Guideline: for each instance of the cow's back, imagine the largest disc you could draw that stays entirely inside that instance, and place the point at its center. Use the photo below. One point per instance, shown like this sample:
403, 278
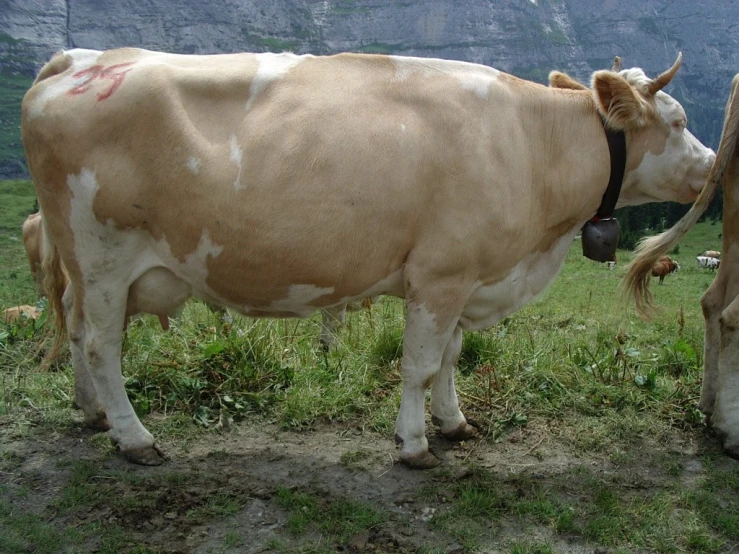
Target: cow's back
250, 163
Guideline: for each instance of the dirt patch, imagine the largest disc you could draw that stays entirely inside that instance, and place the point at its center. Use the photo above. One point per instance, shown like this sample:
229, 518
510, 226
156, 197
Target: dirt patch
237, 491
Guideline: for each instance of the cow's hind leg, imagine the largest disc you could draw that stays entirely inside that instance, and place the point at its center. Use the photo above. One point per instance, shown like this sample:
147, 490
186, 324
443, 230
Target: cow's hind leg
85, 395
444, 403
104, 312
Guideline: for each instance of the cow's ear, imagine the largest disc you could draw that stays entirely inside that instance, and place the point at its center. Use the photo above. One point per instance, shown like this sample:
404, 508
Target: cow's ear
617, 101
557, 79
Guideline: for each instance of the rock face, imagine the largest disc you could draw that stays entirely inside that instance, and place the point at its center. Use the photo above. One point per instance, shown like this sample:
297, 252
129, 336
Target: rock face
525, 37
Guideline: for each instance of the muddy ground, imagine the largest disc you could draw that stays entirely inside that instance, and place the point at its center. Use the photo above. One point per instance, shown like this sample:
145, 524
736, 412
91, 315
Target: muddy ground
155, 509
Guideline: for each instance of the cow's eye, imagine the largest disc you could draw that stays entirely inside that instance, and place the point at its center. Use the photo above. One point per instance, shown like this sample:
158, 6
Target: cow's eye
679, 124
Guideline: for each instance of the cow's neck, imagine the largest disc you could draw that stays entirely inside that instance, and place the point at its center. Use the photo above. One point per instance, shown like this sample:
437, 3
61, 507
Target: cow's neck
617, 149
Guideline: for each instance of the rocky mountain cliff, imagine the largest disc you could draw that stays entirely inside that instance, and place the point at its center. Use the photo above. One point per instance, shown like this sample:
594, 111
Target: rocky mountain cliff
525, 37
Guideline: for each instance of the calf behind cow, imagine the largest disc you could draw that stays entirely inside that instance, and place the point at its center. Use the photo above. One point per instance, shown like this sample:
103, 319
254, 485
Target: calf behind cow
309, 182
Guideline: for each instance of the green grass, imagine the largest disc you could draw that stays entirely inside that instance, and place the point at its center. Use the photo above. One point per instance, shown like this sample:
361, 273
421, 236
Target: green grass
340, 519
17, 201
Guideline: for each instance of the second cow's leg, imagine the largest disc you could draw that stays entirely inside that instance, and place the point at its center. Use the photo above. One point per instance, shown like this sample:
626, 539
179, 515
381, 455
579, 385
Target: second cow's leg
712, 303
725, 417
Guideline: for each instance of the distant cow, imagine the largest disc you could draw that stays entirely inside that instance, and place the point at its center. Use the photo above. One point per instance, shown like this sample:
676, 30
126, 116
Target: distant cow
664, 266
712, 254
19, 313
277, 185
706, 262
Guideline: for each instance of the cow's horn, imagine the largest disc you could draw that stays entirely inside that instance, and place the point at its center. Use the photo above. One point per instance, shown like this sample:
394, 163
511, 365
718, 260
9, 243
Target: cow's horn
661, 82
616, 64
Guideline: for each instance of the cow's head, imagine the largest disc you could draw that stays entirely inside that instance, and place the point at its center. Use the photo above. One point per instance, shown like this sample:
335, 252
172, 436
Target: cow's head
665, 162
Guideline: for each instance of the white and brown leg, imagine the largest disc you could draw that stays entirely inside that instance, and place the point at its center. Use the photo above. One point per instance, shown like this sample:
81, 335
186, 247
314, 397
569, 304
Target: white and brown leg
444, 403
331, 320
103, 312
725, 417
85, 396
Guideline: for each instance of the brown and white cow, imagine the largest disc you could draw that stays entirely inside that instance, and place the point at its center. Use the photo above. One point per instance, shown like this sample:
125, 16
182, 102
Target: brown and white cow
663, 267
720, 390
277, 184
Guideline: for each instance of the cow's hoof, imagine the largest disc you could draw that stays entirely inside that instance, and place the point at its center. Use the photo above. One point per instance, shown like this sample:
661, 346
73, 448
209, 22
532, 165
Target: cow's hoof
462, 433
424, 460
151, 456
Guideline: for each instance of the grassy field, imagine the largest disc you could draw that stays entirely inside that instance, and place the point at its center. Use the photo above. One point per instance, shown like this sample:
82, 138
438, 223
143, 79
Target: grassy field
590, 435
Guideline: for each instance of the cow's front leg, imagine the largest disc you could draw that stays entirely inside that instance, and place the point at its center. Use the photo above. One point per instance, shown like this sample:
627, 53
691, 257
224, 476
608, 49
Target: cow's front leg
712, 303
444, 403
424, 341
726, 410
103, 312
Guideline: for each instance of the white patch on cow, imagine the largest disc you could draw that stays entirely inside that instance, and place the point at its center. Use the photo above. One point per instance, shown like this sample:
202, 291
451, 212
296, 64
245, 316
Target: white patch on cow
194, 268
488, 304
53, 88
193, 164
237, 155
479, 84
299, 299
678, 173
271, 67
662, 172
473, 77
97, 246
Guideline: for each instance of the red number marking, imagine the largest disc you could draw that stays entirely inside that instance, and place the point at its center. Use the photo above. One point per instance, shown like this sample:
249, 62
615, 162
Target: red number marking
115, 73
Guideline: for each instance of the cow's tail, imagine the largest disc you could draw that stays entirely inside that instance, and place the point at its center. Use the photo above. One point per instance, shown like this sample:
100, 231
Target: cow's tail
55, 283
649, 250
